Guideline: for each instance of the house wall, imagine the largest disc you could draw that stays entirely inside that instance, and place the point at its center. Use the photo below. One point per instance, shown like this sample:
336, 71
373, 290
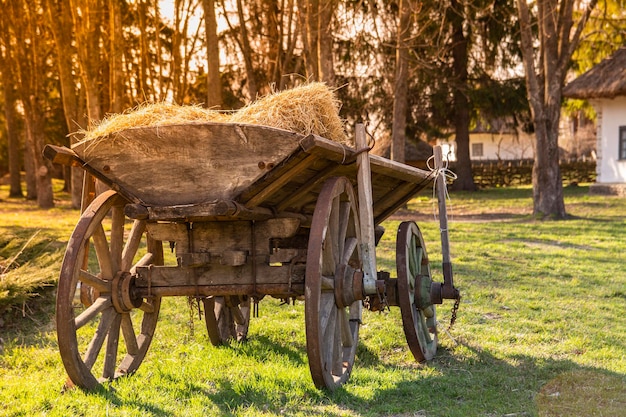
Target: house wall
611, 115
495, 146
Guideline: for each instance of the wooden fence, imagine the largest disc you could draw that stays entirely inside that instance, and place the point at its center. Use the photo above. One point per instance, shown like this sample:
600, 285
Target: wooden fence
508, 173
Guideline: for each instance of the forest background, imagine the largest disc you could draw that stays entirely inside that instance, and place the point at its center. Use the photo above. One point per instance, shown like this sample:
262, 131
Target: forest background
412, 70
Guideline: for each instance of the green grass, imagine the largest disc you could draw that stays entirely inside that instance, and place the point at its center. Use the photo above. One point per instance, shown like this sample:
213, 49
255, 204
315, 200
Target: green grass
32, 242
541, 330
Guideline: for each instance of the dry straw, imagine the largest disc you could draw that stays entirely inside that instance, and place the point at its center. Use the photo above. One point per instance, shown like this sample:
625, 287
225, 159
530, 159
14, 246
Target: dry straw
308, 109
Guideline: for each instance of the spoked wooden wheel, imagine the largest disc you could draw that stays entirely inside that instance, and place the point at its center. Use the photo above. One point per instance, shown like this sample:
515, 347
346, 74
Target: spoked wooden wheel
332, 299
414, 280
104, 329
227, 318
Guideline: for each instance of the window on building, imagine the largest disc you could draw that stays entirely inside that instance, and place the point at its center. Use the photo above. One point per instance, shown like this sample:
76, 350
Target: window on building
477, 149
622, 142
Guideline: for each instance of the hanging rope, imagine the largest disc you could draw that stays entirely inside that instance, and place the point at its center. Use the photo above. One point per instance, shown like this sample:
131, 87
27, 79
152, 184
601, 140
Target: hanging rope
448, 175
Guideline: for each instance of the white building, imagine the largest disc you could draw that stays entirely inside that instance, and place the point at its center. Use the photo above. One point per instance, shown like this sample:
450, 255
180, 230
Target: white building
605, 87
500, 142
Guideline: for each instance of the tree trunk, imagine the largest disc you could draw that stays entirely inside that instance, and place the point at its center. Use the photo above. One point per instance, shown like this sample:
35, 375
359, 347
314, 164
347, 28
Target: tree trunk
400, 98
87, 25
10, 115
116, 57
10, 118
559, 36
326, 68
36, 136
465, 179
246, 50
59, 19
310, 33
31, 69
547, 182
214, 83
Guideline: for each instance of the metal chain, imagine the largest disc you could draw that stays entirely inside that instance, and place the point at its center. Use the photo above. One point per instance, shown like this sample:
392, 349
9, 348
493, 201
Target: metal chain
455, 308
194, 304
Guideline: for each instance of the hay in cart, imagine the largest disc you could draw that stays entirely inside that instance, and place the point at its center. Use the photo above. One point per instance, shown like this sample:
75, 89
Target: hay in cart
309, 109
165, 154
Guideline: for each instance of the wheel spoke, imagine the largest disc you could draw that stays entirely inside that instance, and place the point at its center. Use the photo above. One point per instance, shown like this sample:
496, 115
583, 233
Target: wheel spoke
330, 245
147, 259
344, 222
117, 236
113, 339
327, 304
330, 339
129, 335
348, 251
98, 339
93, 281
102, 253
101, 304
132, 244
337, 348
237, 316
346, 332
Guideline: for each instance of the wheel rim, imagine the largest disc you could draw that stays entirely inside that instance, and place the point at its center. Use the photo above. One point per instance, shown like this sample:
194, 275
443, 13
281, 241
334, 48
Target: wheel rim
107, 333
419, 318
332, 323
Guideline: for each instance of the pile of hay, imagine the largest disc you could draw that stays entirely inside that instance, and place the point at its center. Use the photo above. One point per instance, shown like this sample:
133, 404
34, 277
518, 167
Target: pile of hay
308, 109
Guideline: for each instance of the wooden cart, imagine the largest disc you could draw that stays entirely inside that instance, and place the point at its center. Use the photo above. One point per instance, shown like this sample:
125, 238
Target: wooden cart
249, 211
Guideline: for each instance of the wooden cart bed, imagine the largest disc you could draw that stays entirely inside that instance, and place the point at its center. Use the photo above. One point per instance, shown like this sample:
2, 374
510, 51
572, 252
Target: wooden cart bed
223, 168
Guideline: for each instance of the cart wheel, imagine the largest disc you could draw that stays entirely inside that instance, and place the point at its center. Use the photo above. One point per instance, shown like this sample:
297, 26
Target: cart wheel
96, 303
332, 311
227, 318
419, 317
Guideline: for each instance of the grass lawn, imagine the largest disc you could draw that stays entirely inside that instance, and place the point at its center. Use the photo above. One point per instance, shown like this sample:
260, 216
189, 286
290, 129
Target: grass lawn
541, 329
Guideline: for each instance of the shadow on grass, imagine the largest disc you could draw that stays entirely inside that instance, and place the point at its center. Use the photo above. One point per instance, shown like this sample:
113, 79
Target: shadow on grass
263, 349
471, 383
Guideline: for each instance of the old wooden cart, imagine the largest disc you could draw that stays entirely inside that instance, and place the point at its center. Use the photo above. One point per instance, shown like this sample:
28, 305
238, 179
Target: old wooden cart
249, 211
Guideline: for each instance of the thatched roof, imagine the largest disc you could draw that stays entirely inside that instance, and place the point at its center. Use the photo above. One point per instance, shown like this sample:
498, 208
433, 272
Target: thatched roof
605, 80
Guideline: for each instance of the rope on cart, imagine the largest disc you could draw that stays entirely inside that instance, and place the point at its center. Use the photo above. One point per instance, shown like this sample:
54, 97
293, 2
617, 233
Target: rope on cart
447, 174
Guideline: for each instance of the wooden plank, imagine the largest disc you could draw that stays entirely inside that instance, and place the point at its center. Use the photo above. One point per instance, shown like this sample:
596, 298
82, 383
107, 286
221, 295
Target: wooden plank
366, 213
327, 149
312, 183
292, 160
218, 275
280, 182
61, 155
443, 217
387, 167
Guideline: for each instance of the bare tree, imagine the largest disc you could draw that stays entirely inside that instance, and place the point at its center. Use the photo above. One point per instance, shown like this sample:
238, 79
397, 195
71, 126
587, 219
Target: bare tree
400, 99
59, 20
456, 16
558, 25
10, 114
325, 43
214, 84
87, 17
116, 57
28, 30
